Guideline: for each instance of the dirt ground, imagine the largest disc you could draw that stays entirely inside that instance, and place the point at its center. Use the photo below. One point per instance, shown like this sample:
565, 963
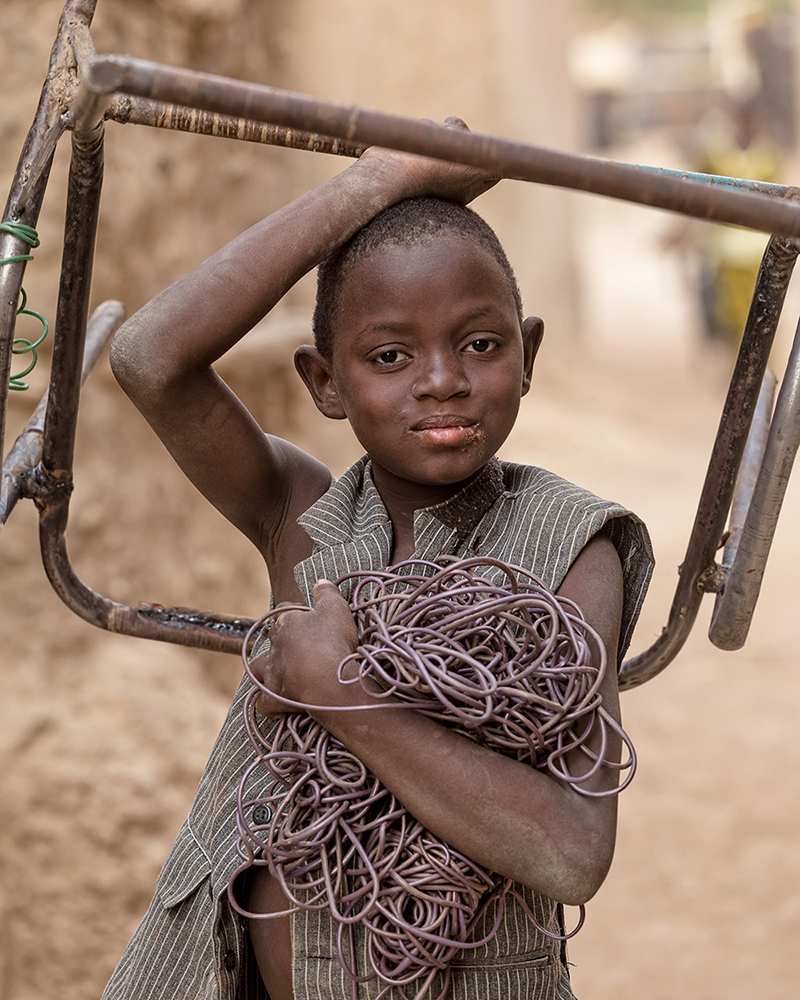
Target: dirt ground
703, 899
102, 738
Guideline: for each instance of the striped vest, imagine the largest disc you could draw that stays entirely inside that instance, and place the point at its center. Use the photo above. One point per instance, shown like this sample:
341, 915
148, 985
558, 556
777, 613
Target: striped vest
192, 944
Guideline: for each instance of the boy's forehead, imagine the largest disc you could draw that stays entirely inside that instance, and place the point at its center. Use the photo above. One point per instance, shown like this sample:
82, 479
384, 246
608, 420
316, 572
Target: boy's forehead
448, 262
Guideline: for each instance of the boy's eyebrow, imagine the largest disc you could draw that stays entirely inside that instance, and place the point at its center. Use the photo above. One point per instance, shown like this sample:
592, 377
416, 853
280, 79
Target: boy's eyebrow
479, 312
379, 325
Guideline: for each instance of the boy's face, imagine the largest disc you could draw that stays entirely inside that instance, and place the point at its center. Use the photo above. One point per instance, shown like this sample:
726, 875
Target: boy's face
429, 361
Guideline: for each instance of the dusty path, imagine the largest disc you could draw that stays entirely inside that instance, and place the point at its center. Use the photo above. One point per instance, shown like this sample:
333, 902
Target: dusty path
703, 899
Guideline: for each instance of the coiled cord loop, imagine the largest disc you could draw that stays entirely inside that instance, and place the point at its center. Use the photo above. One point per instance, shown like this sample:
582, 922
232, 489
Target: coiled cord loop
22, 345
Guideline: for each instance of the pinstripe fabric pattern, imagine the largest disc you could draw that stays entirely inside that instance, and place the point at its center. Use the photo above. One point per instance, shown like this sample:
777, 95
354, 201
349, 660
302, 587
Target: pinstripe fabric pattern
191, 945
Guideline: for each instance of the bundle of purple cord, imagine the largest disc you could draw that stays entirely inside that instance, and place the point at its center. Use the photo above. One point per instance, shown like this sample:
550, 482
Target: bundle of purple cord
509, 665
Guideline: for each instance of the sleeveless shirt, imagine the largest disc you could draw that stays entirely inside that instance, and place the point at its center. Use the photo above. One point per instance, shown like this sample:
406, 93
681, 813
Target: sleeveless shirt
191, 943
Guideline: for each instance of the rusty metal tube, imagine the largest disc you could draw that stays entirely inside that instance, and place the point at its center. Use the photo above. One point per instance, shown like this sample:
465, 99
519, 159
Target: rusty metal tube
127, 110
52, 484
748, 471
503, 157
10, 284
49, 121
184, 626
720, 180
87, 111
698, 570
26, 453
734, 613
38, 165
11, 275
29, 183
80, 229
83, 202
82, 44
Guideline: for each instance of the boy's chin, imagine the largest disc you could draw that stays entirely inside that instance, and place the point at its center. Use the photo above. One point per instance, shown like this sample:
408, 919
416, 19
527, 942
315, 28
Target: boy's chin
452, 478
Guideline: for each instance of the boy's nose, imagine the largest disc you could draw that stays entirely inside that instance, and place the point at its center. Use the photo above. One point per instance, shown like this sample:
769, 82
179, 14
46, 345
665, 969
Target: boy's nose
441, 378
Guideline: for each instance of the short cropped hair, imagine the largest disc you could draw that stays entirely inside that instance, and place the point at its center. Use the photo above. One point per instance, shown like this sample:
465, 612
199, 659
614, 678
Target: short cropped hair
408, 223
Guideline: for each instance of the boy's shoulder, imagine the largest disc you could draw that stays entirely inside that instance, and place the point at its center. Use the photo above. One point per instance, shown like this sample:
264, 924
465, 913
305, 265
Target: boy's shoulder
567, 514
543, 521
530, 480
535, 491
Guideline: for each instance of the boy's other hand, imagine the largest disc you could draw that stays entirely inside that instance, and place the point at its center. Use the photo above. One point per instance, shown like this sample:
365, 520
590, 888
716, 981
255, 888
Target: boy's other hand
423, 176
306, 647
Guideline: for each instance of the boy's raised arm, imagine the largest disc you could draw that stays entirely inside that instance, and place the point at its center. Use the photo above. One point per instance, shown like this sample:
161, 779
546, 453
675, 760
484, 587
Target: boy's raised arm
162, 356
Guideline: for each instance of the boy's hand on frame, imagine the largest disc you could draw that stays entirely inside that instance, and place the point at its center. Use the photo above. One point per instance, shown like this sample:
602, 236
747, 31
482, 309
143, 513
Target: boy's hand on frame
423, 176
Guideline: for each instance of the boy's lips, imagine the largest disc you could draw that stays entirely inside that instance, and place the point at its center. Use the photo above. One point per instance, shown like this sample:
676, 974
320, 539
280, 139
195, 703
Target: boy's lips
446, 429
442, 420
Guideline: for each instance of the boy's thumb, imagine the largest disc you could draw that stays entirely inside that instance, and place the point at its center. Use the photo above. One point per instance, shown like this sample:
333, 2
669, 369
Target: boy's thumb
326, 593
328, 599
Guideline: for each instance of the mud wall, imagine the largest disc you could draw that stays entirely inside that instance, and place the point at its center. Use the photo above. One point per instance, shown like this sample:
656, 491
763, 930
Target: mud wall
102, 738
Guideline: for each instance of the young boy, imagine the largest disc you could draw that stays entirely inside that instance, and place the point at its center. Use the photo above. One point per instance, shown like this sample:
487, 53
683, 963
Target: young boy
421, 345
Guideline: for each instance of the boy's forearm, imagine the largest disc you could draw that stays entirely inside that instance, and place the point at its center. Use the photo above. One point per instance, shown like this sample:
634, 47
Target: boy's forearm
503, 814
196, 320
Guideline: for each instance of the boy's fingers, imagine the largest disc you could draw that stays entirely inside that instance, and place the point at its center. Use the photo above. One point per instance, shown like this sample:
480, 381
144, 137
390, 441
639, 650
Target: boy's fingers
453, 121
257, 665
265, 703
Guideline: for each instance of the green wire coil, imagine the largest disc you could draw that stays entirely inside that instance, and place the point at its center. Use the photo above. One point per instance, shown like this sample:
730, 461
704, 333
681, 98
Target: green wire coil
21, 345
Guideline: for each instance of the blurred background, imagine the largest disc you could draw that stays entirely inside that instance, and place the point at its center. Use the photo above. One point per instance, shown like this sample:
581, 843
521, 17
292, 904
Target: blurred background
102, 737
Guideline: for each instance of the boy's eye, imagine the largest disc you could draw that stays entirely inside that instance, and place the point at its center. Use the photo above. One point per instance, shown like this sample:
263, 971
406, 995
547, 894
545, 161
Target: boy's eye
482, 345
390, 357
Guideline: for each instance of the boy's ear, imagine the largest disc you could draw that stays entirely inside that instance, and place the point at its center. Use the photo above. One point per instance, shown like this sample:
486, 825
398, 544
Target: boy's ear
315, 371
532, 334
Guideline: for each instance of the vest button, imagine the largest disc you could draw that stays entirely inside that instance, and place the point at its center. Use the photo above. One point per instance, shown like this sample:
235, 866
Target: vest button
262, 814
230, 960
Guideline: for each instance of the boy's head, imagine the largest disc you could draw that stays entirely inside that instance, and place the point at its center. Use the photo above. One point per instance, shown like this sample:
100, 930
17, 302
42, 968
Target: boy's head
421, 344
408, 223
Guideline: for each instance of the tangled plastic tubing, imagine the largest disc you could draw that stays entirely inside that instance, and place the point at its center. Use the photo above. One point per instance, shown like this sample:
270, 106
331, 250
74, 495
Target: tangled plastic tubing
508, 666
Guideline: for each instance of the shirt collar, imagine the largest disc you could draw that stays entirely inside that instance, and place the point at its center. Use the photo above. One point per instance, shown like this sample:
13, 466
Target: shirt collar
464, 509
353, 507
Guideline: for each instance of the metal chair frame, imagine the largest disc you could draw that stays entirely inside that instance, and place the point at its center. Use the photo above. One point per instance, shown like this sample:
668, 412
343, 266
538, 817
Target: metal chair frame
82, 91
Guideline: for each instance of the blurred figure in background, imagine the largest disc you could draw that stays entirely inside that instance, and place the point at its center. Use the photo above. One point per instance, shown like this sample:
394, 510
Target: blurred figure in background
729, 256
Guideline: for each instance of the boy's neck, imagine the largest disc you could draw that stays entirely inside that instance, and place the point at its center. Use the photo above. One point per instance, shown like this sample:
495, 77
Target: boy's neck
403, 499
